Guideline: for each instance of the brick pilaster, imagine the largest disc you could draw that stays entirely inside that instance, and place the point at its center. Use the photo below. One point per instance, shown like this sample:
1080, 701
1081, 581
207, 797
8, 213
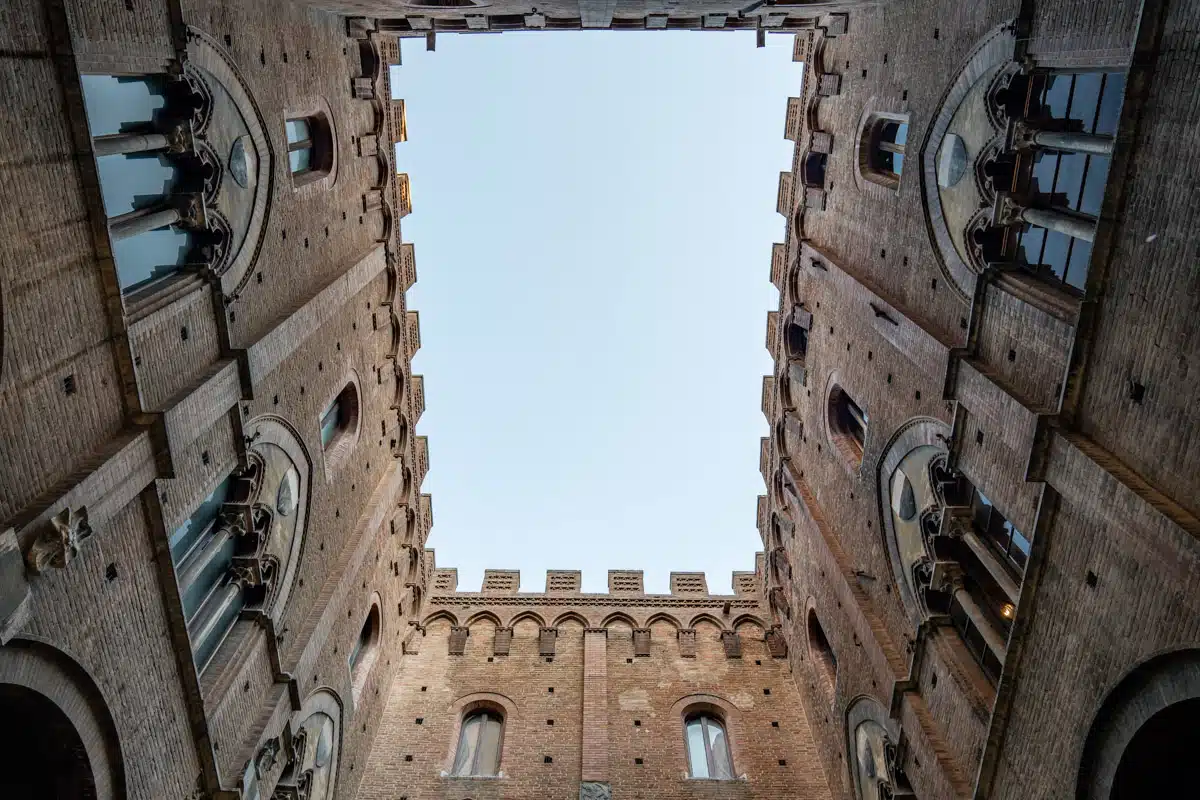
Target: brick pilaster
595, 705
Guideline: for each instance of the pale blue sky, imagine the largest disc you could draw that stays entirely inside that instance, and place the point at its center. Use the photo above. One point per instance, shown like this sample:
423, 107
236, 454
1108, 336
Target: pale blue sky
593, 219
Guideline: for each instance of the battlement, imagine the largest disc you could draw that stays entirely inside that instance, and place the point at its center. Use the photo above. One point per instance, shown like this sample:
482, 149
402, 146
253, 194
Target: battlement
622, 583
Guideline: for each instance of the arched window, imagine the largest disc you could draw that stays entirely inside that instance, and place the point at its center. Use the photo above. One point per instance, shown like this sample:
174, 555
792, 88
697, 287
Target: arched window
847, 425
799, 323
365, 650
821, 652
310, 148
479, 742
339, 422
814, 170
956, 552
707, 747
881, 151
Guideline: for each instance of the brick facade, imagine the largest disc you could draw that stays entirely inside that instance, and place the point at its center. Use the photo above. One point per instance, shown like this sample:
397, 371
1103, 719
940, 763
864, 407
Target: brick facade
121, 409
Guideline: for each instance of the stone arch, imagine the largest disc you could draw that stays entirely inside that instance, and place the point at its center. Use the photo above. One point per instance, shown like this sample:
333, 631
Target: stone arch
272, 434
1130, 723
363, 657
347, 392
468, 704
914, 433
210, 60
845, 432
821, 654
721, 708
993, 51
309, 724
871, 739
35, 676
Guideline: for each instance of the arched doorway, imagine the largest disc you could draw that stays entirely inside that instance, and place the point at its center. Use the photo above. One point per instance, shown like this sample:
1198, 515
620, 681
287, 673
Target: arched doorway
42, 757
1150, 765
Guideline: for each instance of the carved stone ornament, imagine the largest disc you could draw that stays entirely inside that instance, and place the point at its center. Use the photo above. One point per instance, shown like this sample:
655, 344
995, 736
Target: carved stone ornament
595, 790
265, 761
59, 543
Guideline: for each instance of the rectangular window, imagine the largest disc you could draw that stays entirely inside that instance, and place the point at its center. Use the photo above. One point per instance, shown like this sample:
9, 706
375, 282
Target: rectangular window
330, 422
300, 145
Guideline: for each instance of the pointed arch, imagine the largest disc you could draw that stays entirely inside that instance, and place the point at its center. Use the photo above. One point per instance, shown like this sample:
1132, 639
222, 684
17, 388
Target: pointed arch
663, 617
480, 616
705, 617
571, 616
533, 616
749, 619
619, 616
437, 615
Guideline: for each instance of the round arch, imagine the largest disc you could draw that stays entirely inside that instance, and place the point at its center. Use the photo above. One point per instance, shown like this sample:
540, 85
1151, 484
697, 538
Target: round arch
287, 482
71, 714
1139, 730
914, 433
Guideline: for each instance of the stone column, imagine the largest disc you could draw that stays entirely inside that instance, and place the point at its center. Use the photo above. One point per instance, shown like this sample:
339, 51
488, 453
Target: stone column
1075, 226
1025, 136
135, 222
125, 143
594, 779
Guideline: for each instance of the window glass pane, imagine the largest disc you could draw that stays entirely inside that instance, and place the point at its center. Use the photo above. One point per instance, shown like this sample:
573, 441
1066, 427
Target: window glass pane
1071, 167
468, 742
1058, 95
149, 256
901, 133
214, 620
1044, 167
1055, 254
1093, 186
1085, 99
897, 163
1110, 103
203, 569
114, 104
187, 533
132, 182
1031, 245
697, 759
297, 130
1077, 265
299, 159
488, 762
329, 422
719, 748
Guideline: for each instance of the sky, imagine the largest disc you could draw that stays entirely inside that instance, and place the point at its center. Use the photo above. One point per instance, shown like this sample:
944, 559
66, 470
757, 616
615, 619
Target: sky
593, 214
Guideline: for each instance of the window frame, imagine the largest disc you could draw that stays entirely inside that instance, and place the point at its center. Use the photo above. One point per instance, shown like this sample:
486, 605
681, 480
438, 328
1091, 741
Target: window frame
320, 144
487, 713
705, 716
871, 145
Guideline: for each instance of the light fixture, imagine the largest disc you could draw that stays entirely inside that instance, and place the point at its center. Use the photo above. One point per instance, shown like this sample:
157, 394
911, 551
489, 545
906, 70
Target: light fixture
1008, 611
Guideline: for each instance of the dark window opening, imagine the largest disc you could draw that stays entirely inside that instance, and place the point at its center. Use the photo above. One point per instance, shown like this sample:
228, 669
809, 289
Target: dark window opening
825, 662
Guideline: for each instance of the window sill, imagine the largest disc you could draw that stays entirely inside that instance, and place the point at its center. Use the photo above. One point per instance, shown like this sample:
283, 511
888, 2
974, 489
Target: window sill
738, 779
499, 777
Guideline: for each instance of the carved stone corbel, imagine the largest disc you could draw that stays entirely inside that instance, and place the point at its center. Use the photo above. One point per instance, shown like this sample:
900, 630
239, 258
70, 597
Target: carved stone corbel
58, 544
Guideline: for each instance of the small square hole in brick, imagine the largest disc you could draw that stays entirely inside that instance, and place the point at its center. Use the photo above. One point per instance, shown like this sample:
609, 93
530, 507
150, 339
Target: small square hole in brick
423, 688
551, 690
757, 662
1137, 392
490, 659
637, 723
783, 762
549, 659
408, 758
775, 724
766, 691
205, 458
110, 572
549, 722
275, 399
864, 73
905, 95
420, 721
547, 759
1092, 579
183, 333
638, 761
68, 384
1012, 355
629, 661
978, 437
